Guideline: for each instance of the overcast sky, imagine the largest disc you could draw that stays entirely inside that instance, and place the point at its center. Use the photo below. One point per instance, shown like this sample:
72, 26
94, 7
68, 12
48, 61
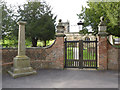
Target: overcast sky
66, 10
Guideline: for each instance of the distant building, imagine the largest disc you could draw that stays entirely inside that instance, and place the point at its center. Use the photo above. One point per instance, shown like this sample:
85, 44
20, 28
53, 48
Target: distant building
67, 27
75, 35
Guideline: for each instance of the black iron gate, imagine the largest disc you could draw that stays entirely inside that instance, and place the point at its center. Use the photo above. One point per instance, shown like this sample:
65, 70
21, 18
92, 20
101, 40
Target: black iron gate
81, 54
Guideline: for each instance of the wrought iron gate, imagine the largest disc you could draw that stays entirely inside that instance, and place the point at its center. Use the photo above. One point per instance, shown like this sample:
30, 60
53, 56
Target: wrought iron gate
81, 54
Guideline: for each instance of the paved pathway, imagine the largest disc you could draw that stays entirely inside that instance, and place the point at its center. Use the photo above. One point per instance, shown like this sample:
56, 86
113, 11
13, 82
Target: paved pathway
64, 79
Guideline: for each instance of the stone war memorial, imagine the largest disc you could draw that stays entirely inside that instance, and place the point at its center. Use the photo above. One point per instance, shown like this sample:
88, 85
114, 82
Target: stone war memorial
25, 61
21, 63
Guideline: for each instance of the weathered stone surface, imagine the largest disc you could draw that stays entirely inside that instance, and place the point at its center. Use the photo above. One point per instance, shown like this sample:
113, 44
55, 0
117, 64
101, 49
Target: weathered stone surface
21, 63
21, 38
102, 27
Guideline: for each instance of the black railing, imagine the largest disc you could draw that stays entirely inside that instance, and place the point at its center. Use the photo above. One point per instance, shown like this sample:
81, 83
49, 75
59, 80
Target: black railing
81, 54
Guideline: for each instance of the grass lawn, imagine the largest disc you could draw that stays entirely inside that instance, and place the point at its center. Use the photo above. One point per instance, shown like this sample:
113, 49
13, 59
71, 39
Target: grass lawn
9, 43
86, 54
41, 43
14, 43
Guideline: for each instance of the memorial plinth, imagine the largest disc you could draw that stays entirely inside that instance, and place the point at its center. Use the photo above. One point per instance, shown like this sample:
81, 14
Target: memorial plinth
21, 63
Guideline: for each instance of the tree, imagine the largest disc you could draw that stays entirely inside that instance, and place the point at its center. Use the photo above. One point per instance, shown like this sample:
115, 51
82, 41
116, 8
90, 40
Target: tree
83, 31
7, 21
47, 28
92, 14
40, 21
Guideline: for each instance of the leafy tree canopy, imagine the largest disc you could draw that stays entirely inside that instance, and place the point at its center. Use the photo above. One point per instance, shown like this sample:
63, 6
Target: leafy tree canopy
40, 21
110, 11
8, 22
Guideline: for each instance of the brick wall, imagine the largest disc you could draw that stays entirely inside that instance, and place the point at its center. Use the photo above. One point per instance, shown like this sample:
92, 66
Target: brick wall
108, 55
41, 58
102, 51
119, 59
113, 57
53, 57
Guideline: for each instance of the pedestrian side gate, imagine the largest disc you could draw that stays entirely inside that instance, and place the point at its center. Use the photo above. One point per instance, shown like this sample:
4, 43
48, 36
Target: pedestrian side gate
81, 54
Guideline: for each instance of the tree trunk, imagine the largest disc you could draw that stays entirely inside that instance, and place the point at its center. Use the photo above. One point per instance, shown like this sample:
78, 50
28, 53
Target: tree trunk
45, 43
34, 42
3, 41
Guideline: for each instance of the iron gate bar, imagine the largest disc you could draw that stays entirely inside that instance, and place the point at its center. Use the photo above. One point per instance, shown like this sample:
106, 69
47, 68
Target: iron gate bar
93, 52
87, 53
81, 54
96, 54
73, 60
88, 41
65, 52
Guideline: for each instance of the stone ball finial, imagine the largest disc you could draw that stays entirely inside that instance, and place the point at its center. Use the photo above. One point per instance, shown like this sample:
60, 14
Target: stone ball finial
102, 18
60, 20
102, 22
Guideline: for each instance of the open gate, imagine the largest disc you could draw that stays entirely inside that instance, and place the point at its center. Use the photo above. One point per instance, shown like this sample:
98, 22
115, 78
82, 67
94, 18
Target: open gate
81, 54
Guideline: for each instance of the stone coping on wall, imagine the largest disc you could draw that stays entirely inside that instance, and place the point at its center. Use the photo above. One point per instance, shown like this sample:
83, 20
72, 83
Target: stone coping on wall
115, 46
112, 42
